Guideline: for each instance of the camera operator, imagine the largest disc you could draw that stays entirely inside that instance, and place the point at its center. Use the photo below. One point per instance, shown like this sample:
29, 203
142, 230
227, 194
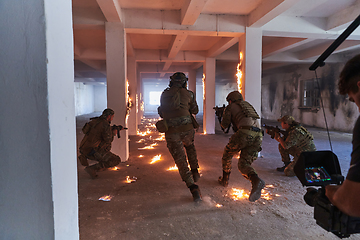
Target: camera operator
346, 196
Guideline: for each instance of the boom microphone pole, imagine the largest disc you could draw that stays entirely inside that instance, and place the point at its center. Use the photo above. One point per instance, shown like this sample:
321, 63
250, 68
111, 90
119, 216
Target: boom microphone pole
320, 61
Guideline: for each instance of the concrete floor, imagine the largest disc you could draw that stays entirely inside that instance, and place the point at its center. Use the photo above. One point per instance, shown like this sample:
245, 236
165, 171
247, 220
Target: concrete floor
159, 206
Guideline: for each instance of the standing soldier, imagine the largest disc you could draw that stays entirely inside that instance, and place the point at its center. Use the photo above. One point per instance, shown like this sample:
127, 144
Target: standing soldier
96, 143
247, 139
177, 104
297, 140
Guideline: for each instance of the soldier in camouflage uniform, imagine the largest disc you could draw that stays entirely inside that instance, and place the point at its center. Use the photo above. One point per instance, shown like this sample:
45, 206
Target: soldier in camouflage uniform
176, 106
247, 139
297, 140
96, 143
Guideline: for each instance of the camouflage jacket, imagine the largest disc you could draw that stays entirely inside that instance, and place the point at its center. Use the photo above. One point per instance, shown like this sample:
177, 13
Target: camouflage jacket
240, 114
299, 139
98, 136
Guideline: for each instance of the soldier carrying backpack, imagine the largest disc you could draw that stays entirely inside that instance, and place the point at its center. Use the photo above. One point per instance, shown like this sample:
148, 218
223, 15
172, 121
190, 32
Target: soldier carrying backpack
177, 104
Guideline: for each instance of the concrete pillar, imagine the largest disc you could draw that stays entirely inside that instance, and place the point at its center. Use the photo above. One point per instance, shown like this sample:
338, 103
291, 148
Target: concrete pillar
133, 88
250, 45
209, 101
140, 97
116, 83
192, 81
38, 173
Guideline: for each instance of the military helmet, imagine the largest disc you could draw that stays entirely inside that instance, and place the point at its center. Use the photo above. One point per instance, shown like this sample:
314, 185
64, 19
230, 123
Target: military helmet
287, 119
107, 112
234, 96
178, 77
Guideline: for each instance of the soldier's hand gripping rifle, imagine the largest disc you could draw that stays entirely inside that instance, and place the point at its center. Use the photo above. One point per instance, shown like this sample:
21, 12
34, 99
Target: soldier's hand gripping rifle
219, 111
118, 128
272, 130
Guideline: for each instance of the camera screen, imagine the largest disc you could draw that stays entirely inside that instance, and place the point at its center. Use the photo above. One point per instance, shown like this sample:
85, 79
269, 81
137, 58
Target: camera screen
316, 174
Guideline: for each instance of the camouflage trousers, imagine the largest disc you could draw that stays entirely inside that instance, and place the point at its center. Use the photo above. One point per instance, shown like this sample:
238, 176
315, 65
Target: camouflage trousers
106, 159
285, 157
249, 143
176, 143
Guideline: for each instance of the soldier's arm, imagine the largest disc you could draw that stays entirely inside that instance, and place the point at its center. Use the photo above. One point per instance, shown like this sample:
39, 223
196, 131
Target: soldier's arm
226, 121
107, 133
280, 139
290, 141
194, 108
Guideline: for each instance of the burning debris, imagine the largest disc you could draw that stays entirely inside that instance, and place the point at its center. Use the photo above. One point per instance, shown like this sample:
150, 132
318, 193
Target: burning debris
114, 168
147, 132
130, 180
155, 159
151, 146
141, 156
105, 198
239, 194
172, 168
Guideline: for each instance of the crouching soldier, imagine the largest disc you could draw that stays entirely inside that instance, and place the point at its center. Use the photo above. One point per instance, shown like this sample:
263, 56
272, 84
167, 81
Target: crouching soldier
247, 139
296, 140
96, 143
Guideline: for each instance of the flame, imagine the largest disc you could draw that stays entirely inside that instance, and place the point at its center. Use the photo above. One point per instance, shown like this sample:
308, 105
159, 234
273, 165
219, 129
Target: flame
148, 131
218, 205
141, 140
265, 195
140, 156
161, 137
175, 168
142, 106
237, 194
106, 198
151, 146
239, 73
129, 180
155, 159
172, 168
203, 82
137, 103
114, 168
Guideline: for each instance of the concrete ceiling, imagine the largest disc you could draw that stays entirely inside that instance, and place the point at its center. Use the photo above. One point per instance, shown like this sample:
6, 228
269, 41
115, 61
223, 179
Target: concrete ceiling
166, 36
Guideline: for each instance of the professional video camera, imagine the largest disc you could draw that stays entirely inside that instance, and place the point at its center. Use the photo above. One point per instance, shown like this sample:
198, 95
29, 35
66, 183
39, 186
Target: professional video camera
319, 169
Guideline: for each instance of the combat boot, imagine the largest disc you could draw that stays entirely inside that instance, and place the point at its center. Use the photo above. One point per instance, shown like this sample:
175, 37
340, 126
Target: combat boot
195, 174
91, 170
195, 191
281, 169
83, 160
257, 184
224, 180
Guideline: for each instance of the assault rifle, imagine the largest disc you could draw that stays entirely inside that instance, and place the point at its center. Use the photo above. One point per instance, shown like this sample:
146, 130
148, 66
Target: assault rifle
272, 130
118, 128
219, 111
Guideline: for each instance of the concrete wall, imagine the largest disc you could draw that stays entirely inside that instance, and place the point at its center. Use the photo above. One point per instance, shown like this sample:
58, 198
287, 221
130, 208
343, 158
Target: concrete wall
281, 95
84, 98
37, 124
100, 96
89, 98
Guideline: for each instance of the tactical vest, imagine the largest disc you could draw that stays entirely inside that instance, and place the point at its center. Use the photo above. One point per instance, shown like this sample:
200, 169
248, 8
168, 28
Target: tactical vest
247, 109
304, 140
